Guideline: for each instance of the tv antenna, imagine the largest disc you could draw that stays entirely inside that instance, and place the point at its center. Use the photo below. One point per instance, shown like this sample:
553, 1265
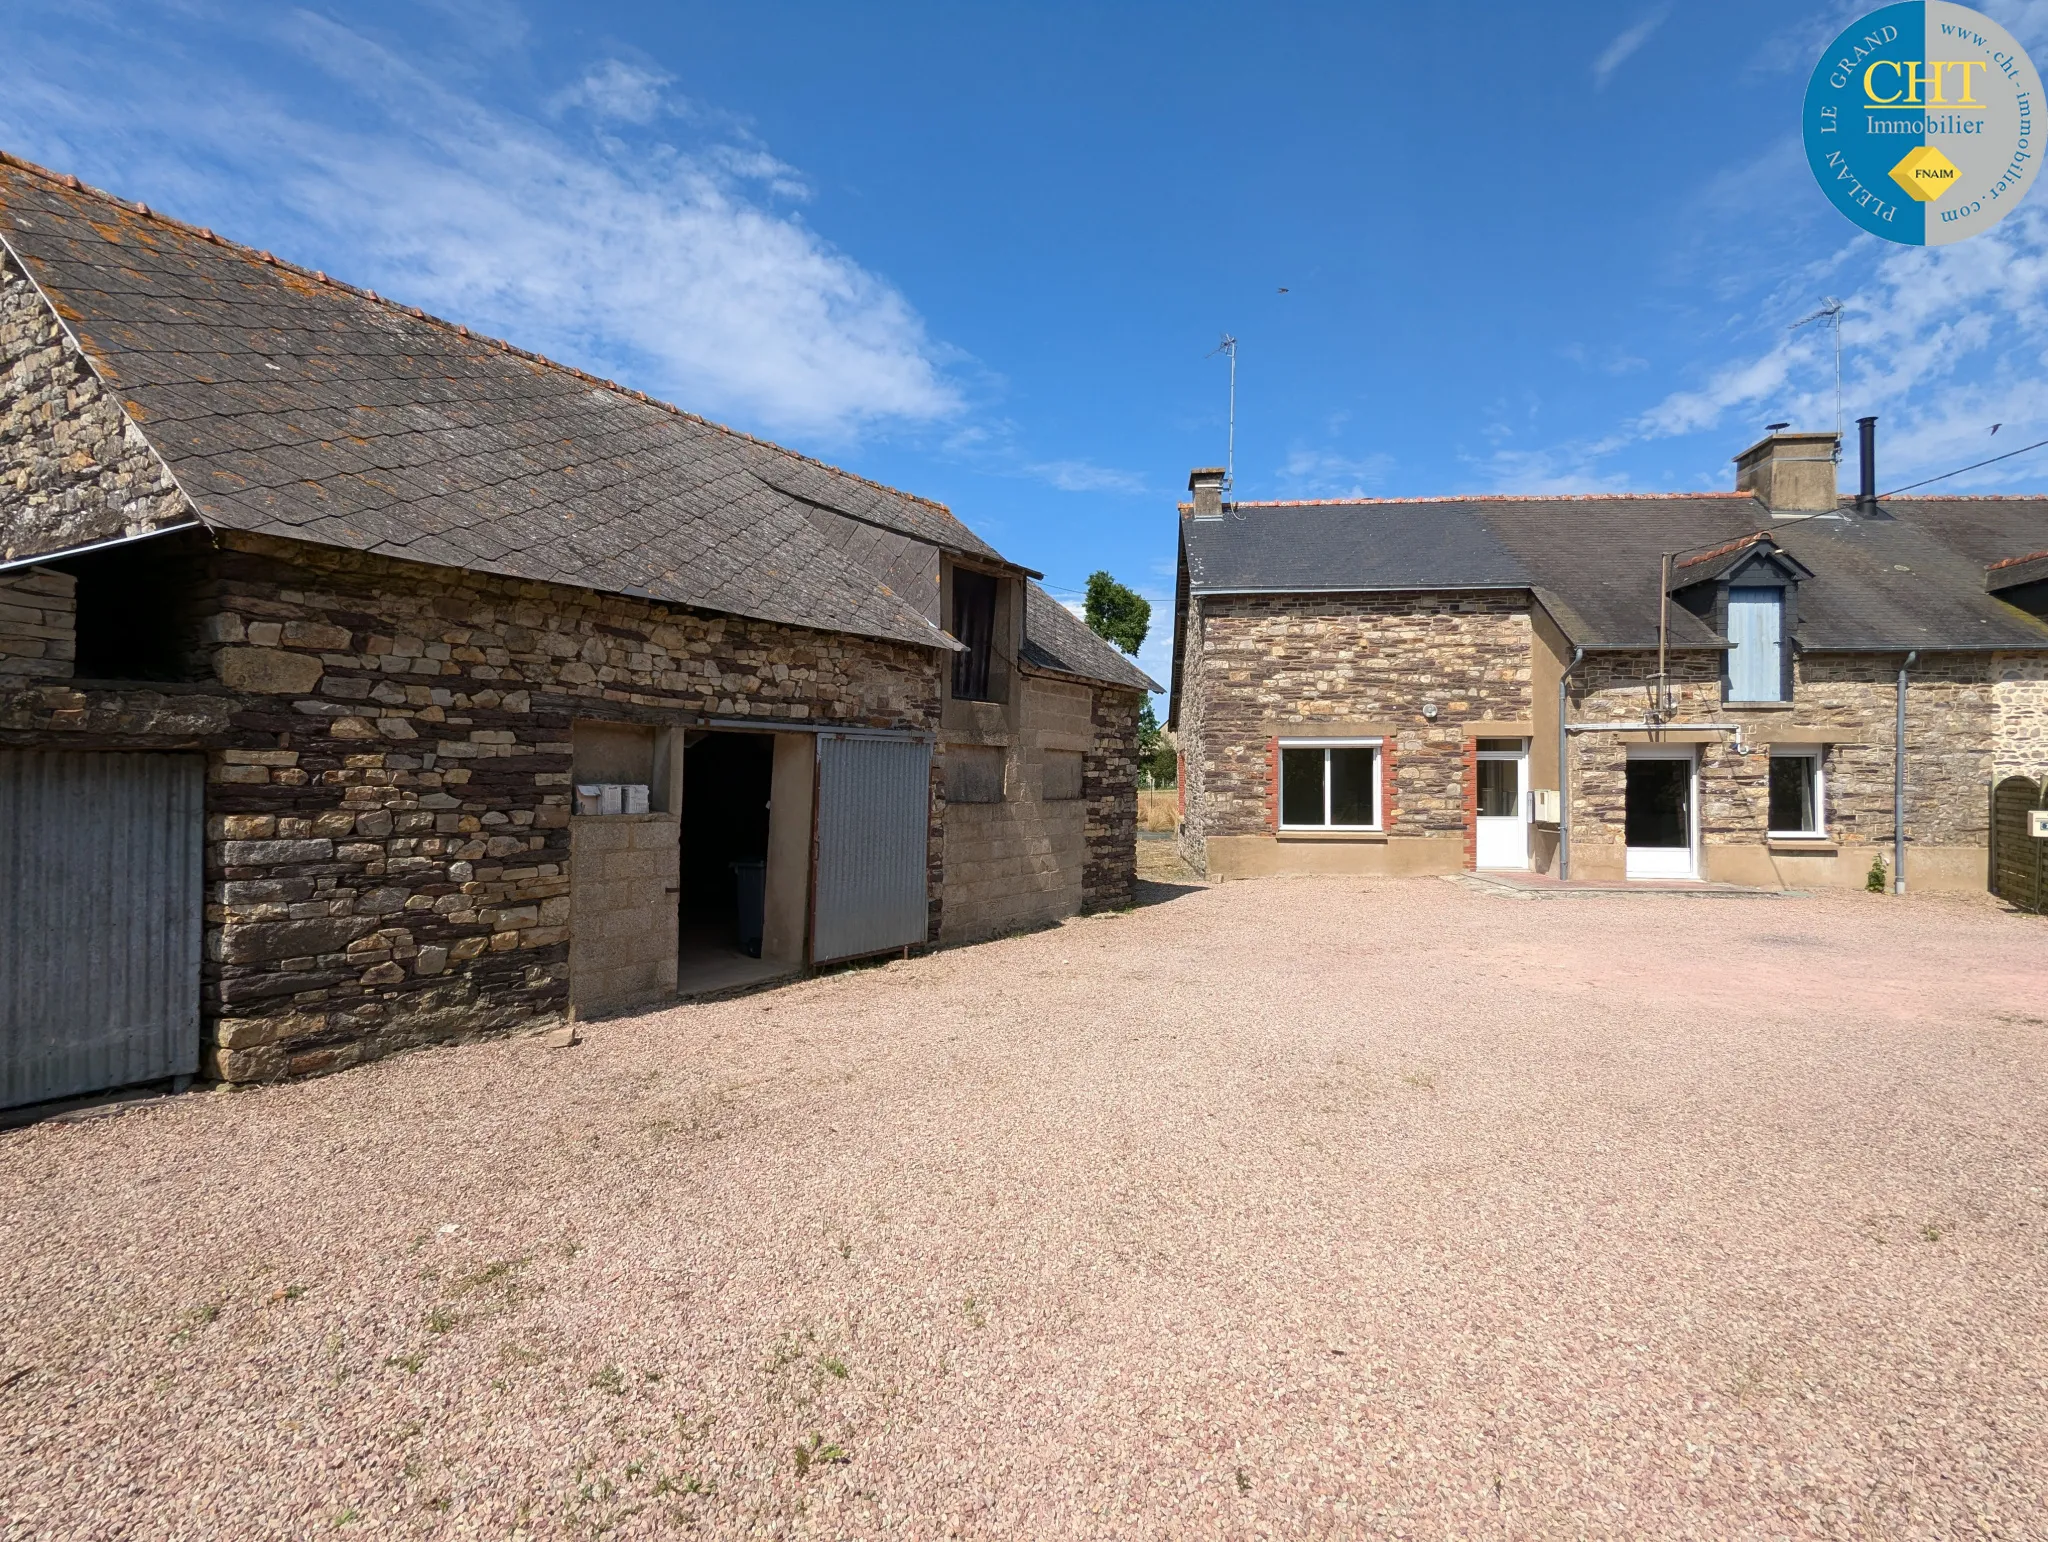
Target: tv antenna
1229, 346
1830, 311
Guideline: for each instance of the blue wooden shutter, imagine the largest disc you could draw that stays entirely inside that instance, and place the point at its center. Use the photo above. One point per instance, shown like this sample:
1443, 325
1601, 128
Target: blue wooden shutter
1756, 627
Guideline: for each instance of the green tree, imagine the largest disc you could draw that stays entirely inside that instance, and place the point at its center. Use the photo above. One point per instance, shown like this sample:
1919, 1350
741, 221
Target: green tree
1121, 615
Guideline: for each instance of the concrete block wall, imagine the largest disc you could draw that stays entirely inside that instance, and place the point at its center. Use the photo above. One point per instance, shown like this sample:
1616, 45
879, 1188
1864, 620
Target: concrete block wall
38, 623
1021, 862
622, 910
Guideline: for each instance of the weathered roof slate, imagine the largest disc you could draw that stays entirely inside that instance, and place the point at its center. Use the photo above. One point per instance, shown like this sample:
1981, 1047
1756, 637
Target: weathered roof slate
1056, 639
1910, 579
291, 406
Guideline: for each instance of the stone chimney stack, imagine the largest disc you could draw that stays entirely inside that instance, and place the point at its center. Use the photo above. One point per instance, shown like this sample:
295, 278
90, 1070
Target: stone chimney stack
1791, 473
1206, 483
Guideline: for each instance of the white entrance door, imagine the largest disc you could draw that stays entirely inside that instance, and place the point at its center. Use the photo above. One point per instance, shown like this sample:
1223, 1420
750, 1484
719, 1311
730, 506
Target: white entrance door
1662, 812
1504, 804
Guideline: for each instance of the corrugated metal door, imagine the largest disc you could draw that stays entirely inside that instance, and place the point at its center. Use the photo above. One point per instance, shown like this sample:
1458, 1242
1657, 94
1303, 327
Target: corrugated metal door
874, 825
100, 905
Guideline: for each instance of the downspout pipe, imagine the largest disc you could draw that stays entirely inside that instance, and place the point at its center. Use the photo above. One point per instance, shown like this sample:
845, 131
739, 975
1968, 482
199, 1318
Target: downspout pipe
1899, 783
1564, 780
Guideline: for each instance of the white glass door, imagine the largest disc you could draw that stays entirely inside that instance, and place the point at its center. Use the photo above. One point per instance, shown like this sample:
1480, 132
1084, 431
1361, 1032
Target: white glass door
1503, 804
1662, 812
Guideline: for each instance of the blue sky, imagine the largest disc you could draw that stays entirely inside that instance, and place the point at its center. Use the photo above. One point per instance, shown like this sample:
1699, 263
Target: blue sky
983, 252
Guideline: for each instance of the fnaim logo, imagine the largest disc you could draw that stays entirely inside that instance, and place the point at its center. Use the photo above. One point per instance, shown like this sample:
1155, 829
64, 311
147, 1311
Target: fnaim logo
1921, 124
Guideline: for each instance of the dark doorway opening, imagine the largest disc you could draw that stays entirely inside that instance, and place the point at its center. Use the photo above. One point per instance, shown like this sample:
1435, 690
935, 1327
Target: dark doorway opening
1659, 795
727, 779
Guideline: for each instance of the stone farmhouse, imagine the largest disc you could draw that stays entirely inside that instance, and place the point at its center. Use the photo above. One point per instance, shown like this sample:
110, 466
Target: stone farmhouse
366, 682
1773, 686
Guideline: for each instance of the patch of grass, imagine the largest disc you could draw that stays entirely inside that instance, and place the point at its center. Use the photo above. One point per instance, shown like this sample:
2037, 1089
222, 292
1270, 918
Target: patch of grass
347, 1517
610, 1379
195, 1319
442, 1319
845, 1248
409, 1362
832, 1365
521, 1354
976, 1317
685, 1484
1244, 1482
499, 1277
816, 1453
1421, 1079
1931, 1232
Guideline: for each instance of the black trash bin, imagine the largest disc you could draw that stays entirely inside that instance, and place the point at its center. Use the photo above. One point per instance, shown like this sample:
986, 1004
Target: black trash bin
751, 878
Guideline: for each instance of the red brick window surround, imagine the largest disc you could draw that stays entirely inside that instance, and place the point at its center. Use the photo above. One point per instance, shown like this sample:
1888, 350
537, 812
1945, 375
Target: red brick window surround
1471, 805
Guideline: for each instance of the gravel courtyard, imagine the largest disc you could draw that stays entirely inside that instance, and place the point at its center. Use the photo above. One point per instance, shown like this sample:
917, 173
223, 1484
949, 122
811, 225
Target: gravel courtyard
1289, 1209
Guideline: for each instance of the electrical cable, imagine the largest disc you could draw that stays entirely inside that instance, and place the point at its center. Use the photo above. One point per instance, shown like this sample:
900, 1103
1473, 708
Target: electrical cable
2008, 455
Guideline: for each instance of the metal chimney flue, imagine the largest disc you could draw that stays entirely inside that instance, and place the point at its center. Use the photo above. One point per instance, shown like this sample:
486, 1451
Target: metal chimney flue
1866, 486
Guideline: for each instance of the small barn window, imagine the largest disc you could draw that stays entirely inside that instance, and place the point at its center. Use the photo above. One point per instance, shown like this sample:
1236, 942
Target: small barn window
1329, 786
1756, 626
137, 614
1062, 774
974, 624
1796, 789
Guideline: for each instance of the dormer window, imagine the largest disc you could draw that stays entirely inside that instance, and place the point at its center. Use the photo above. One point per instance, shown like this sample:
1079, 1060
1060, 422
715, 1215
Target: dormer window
1756, 628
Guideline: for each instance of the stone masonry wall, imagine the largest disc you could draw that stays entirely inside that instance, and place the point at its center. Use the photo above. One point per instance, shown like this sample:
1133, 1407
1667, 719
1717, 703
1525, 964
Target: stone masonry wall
73, 468
38, 623
1846, 702
2020, 692
388, 808
1109, 788
1305, 663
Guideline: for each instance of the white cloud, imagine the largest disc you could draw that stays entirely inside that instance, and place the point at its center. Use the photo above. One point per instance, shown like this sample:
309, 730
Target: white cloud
662, 263
630, 93
1084, 476
1318, 473
1617, 53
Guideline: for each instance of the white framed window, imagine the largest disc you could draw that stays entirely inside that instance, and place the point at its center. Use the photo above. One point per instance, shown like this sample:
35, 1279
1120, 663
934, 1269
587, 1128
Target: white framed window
1329, 784
1798, 794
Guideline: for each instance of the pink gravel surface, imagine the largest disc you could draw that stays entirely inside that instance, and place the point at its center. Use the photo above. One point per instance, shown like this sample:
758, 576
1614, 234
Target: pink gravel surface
1288, 1209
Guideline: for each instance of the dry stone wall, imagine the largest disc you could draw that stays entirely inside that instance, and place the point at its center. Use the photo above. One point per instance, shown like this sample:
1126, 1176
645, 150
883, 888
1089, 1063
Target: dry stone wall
73, 467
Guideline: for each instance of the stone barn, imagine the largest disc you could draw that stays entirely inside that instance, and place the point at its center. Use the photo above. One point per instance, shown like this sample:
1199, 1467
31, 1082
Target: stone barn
366, 682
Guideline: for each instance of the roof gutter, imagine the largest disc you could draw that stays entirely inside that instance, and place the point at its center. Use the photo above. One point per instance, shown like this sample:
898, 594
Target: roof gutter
1564, 780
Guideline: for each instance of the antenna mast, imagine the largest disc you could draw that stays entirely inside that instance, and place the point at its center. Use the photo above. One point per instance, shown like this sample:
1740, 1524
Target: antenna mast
1831, 311
1229, 346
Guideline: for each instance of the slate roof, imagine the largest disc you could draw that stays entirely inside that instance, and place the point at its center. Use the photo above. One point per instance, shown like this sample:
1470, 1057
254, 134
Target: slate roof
288, 404
1911, 579
1058, 640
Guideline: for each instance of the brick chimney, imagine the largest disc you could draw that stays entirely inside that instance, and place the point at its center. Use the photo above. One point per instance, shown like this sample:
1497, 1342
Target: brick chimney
1206, 483
1791, 473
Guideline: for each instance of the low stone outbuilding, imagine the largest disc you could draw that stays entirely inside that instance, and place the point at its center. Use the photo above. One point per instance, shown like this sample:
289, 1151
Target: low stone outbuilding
366, 682
1750, 686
